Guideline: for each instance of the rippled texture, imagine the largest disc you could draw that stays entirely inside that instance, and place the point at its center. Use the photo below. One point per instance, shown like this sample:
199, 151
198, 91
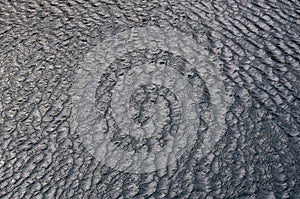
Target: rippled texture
258, 47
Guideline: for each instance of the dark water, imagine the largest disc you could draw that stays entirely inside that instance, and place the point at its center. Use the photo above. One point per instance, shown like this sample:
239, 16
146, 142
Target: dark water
257, 45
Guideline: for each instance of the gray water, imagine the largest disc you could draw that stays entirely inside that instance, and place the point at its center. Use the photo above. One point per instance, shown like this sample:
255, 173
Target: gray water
254, 45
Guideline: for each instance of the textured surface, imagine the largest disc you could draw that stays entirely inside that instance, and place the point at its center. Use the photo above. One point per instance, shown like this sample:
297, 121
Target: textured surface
155, 130
258, 46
